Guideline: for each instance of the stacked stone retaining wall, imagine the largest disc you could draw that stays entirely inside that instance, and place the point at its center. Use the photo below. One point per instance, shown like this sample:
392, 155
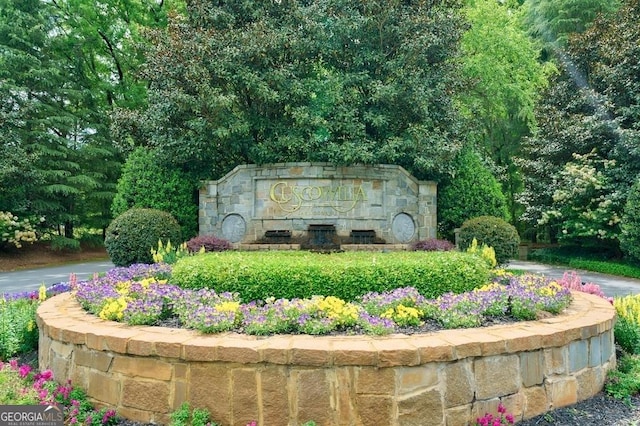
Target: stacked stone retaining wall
442, 378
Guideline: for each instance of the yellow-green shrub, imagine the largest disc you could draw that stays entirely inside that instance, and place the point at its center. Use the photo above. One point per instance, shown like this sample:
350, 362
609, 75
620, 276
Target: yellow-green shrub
260, 275
627, 328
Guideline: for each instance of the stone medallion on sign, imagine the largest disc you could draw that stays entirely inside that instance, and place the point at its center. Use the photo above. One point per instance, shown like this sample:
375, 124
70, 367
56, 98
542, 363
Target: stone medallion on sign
233, 228
403, 227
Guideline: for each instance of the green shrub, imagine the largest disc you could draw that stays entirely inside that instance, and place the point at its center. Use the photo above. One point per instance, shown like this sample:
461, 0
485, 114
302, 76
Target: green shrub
62, 243
147, 183
18, 329
260, 275
494, 232
472, 192
132, 235
185, 416
624, 382
630, 235
627, 335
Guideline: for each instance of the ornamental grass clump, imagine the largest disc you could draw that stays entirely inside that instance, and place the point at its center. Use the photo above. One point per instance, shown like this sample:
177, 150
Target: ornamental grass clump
137, 297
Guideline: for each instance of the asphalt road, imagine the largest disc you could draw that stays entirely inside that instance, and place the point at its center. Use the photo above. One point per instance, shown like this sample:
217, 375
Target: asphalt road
611, 285
32, 279
26, 280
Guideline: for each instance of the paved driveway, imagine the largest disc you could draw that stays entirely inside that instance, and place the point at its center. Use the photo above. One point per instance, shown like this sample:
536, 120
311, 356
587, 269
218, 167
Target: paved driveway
611, 285
32, 279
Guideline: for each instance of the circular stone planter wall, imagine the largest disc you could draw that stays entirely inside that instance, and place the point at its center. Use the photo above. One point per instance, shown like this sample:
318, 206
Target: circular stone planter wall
443, 378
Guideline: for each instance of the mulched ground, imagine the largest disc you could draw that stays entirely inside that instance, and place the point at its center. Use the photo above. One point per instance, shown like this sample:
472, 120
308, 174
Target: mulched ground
601, 410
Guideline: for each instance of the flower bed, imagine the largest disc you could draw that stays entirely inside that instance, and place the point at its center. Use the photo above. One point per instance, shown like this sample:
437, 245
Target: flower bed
139, 295
451, 377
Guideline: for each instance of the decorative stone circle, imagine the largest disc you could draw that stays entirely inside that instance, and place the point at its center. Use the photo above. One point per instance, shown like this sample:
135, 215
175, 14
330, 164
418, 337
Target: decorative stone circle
449, 377
403, 227
233, 228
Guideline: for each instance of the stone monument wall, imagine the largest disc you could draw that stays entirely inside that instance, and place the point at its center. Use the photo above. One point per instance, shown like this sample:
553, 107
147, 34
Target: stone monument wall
251, 200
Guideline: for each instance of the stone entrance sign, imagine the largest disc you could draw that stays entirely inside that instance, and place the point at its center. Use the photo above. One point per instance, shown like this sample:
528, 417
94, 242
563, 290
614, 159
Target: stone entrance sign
251, 200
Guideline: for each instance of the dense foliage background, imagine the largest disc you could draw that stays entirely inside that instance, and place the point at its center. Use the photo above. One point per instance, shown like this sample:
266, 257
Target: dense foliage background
536, 100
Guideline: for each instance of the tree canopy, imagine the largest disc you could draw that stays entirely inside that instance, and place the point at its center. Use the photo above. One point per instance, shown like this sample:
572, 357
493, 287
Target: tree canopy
588, 124
292, 80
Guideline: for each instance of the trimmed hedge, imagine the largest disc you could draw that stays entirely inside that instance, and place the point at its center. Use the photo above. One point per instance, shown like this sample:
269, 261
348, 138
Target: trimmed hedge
132, 235
260, 275
494, 232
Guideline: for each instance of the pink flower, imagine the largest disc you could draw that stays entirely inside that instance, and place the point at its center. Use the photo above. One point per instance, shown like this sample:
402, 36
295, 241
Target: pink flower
501, 408
509, 418
13, 364
24, 370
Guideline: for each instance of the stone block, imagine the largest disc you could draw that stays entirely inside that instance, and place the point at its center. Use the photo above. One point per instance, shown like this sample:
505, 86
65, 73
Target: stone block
458, 416
152, 395
497, 376
275, 395
562, 391
180, 394
535, 401
104, 388
142, 367
578, 355
375, 410
532, 368
555, 361
411, 379
459, 384
61, 350
100, 361
343, 389
589, 381
595, 351
314, 397
607, 346
371, 380
210, 387
244, 396
414, 409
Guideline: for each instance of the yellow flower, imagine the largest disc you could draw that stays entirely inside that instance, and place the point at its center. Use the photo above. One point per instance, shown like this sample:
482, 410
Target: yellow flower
228, 306
42, 293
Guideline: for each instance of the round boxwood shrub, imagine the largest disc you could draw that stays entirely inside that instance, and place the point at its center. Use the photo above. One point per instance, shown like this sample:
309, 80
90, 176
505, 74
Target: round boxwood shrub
494, 232
131, 235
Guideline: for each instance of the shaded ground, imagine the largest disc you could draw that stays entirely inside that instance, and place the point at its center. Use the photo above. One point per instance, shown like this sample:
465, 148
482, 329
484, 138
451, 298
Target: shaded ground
40, 254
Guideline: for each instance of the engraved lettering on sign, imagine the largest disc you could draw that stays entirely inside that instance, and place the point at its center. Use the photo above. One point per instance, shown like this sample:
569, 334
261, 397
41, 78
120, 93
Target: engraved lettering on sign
341, 198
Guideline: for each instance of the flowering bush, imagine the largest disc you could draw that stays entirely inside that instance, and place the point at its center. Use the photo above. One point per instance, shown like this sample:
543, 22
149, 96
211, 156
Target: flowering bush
14, 231
586, 202
21, 386
139, 295
627, 328
168, 253
18, 330
501, 420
